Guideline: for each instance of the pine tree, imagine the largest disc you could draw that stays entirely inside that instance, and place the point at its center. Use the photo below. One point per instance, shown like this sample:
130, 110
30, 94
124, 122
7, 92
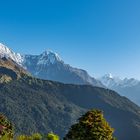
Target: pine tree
91, 126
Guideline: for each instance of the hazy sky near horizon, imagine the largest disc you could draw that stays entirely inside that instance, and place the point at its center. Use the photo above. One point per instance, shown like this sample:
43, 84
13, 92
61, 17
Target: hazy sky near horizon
100, 36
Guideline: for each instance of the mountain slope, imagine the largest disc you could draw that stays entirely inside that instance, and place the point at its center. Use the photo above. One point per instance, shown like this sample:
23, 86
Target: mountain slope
129, 88
9, 70
35, 105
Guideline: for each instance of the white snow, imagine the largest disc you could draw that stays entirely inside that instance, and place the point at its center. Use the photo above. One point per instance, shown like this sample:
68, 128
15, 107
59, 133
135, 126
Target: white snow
109, 81
8, 53
48, 57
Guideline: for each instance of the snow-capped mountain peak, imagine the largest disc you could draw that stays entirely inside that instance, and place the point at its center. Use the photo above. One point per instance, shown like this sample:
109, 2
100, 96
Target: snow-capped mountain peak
109, 80
4, 50
49, 57
8, 53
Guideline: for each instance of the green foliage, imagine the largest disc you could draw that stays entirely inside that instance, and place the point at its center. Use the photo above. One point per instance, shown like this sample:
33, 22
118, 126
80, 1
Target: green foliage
6, 128
22, 137
52, 136
35, 136
91, 126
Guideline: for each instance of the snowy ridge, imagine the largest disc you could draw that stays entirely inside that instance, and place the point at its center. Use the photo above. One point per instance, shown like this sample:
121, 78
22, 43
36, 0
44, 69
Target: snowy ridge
8, 53
110, 81
46, 58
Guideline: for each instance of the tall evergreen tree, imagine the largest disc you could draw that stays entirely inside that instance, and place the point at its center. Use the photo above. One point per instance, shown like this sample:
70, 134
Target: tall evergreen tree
91, 126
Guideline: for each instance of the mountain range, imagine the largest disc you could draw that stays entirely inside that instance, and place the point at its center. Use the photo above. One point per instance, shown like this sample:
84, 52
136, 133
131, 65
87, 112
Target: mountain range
36, 105
129, 88
50, 66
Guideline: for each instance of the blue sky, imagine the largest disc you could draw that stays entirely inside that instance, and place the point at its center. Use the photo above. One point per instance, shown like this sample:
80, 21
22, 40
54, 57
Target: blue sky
101, 36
